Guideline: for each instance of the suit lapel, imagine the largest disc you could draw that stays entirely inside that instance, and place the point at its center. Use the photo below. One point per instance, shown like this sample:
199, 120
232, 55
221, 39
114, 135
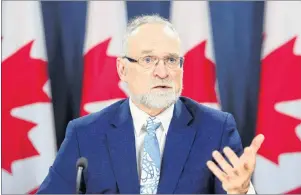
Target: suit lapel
121, 141
179, 139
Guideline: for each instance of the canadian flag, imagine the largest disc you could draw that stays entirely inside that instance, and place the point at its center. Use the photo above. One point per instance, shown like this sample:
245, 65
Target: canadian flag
106, 25
278, 167
28, 139
191, 20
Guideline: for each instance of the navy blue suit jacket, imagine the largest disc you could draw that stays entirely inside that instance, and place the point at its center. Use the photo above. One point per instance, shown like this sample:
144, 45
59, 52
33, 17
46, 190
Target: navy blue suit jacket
106, 139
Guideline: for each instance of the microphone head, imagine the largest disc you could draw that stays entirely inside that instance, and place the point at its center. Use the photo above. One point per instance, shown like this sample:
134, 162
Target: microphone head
82, 162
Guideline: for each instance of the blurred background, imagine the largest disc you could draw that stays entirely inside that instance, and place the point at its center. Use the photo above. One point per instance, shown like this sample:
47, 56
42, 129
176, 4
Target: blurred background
58, 63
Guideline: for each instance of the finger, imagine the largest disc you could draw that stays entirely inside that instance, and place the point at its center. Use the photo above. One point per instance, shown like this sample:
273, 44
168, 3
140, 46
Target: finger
248, 154
248, 151
248, 159
227, 168
233, 158
217, 171
256, 143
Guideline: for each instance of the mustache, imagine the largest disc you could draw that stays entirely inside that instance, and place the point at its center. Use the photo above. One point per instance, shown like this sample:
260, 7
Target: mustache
166, 82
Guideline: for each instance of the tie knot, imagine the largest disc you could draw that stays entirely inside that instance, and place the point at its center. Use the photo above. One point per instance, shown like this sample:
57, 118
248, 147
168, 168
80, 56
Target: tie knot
152, 124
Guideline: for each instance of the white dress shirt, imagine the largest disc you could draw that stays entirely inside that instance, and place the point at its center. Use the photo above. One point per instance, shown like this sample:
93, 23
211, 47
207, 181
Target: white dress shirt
139, 122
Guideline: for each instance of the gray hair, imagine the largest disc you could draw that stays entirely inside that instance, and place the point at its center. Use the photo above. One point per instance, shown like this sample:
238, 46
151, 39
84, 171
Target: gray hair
139, 21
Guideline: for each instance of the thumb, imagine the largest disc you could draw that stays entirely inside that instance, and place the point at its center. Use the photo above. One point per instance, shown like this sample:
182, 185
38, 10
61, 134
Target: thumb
256, 143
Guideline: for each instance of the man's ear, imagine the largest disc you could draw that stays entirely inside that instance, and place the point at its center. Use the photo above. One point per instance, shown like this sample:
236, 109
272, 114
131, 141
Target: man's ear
121, 69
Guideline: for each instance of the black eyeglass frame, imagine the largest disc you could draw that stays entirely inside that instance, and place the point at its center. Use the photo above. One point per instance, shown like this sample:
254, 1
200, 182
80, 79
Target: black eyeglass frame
136, 61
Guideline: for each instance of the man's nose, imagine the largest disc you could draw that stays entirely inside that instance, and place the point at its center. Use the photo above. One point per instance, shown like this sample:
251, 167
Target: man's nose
161, 70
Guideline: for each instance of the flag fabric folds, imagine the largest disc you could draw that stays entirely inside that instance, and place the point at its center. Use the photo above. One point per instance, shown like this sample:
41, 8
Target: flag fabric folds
103, 44
195, 32
278, 167
28, 137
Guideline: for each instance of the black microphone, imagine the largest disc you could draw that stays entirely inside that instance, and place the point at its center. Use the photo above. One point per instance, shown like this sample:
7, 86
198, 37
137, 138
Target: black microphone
81, 165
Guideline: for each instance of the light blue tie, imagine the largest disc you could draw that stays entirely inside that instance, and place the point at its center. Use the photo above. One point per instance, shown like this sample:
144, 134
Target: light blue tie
150, 162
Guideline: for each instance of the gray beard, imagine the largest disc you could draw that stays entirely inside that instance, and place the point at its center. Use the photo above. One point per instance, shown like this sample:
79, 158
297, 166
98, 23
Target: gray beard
158, 99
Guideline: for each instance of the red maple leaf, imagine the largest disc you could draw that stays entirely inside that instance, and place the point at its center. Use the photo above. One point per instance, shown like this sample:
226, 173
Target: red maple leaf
280, 81
295, 191
199, 75
33, 191
100, 80
22, 80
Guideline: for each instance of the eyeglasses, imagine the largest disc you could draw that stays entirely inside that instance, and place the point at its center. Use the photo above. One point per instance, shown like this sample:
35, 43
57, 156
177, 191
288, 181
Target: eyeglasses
147, 62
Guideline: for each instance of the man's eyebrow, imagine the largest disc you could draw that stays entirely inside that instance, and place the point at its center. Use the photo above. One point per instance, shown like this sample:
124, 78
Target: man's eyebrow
173, 54
146, 51
150, 51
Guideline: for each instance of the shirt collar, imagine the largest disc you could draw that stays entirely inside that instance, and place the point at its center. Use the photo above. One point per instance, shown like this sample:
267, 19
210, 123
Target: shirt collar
140, 117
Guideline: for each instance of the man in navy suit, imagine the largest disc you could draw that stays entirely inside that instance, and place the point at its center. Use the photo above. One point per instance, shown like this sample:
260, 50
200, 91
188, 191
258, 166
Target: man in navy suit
155, 141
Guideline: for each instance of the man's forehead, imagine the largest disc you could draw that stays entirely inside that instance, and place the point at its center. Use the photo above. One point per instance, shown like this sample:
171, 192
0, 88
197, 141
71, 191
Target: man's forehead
152, 51
154, 29
155, 49
150, 37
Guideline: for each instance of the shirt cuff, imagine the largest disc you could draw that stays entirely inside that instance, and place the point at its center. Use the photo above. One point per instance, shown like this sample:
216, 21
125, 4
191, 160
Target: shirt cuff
251, 189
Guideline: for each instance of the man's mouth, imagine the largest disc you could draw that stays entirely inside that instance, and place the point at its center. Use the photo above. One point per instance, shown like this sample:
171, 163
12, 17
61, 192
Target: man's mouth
162, 87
